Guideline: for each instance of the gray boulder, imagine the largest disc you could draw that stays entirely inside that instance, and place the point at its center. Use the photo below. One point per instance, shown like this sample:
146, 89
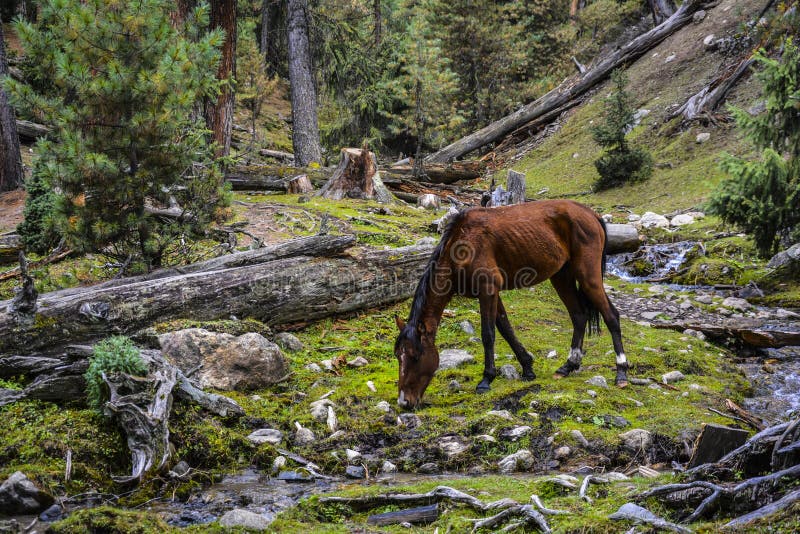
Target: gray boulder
451, 358
266, 435
636, 440
653, 220
18, 495
786, 264
239, 517
226, 362
509, 372
289, 342
522, 460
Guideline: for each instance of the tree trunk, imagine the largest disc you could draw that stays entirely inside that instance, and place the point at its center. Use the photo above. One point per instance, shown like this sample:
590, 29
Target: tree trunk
711, 96
273, 177
305, 131
622, 238
219, 114
281, 292
661, 9
569, 89
515, 184
356, 177
300, 184
11, 176
264, 41
30, 131
440, 173
376, 13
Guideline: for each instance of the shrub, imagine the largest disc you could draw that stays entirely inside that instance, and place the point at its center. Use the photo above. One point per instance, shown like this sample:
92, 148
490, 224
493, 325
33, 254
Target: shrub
116, 354
618, 168
37, 230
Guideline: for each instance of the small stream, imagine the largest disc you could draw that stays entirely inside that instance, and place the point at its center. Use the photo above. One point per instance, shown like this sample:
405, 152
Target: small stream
651, 262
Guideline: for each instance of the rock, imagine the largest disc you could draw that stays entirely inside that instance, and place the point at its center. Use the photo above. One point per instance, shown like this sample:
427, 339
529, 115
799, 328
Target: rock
249, 361
371, 386
503, 414
313, 367
454, 385
467, 327
751, 290
451, 358
670, 58
319, 409
239, 517
355, 471
486, 438
289, 342
786, 264
634, 218
588, 402
180, 471
303, 436
429, 201
331, 420
278, 464
656, 289
592, 393
562, 453
429, 468
358, 361
295, 476
509, 372
682, 220
640, 381
563, 480
410, 420
515, 433
704, 299
633, 512
607, 217
552, 354
54, 513
452, 446
598, 381
426, 241
522, 460
695, 333
714, 442
615, 421
266, 435
672, 377
736, 304
579, 437
636, 440
384, 406
654, 220
702, 137
649, 316
782, 313
698, 16
635, 402
710, 41
18, 495
388, 467
352, 456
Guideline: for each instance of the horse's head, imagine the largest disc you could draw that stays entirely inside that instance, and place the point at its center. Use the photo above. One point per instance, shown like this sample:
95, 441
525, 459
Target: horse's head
416, 352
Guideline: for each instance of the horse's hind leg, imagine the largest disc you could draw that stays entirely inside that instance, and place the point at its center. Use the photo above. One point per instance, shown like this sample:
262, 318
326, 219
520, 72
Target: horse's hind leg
564, 283
488, 302
523, 356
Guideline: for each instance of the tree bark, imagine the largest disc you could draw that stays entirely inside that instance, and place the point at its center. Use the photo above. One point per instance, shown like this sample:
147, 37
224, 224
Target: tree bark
30, 131
283, 292
442, 173
264, 41
356, 177
300, 184
305, 131
219, 114
376, 13
273, 177
515, 184
711, 96
11, 176
570, 88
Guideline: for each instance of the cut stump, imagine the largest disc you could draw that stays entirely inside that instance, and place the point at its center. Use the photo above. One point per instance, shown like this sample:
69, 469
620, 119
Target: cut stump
300, 184
714, 442
356, 177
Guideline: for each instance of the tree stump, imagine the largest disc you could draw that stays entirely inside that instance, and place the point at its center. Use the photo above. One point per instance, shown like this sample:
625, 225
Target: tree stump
356, 177
300, 184
515, 185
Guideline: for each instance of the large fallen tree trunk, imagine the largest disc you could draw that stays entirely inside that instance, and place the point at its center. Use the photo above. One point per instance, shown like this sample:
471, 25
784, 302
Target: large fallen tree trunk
570, 89
753, 335
281, 292
273, 177
30, 131
442, 173
711, 96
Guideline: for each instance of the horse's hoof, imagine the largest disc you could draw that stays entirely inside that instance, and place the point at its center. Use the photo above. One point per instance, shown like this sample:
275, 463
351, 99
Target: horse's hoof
482, 388
529, 377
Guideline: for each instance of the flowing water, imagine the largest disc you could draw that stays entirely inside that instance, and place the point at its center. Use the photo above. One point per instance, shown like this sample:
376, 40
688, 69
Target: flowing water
659, 260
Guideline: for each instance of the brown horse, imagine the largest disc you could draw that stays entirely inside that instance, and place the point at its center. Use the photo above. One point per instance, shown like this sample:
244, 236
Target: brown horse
486, 250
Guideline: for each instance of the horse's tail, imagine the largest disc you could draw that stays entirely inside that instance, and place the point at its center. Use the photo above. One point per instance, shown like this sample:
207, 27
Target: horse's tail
592, 313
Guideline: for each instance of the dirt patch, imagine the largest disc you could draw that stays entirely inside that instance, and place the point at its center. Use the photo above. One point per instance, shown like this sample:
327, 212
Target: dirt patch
11, 206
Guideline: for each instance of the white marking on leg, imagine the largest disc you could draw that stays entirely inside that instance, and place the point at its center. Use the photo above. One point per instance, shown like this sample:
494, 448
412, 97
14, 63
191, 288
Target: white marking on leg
621, 359
401, 399
575, 356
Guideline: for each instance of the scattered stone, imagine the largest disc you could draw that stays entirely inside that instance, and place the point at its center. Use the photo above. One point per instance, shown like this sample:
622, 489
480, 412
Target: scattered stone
704, 299
588, 402
695, 333
682, 220
758, 108
579, 437
651, 315
355, 471
598, 381
702, 137
509, 372
592, 393
384, 406
313, 367
503, 414
710, 41
336, 435
358, 361
611, 476
454, 385
289, 342
486, 438
327, 364
562, 453
633, 217
633, 512
266, 435
698, 16
410, 420
563, 480
352, 456
670, 58
656, 289
278, 464
429, 201
452, 446
319, 409
615, 421
225, 362
515, 433
736, 304
451, 358
636, 440
388, 467
522, 460
180, 471
714, 442
426, 241
467, 327
239, 517
303, 436
781, 313
295, 476
18, 495
636, 403
552, 354
371, 386
607, 217
672, 377
654, 220
429, 468
54, 513
332, 421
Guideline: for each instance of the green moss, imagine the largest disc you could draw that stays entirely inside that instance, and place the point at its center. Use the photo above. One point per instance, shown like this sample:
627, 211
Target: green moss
108, 520
711, 271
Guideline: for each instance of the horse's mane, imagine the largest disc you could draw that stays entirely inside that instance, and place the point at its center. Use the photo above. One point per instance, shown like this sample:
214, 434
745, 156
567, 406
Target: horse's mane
420, 295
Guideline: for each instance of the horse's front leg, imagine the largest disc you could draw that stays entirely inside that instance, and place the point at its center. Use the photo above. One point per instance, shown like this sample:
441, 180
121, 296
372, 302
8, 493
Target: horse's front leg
488, 302
524, 357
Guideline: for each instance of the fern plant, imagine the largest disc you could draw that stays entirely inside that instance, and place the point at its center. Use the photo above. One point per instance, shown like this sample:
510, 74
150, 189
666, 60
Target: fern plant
116, 354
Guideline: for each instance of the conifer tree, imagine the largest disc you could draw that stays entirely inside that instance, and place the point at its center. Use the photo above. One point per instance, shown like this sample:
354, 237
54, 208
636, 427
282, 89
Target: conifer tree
763, 197
118, 83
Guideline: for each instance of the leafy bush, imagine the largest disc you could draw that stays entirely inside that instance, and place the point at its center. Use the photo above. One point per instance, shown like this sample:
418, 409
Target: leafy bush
116, 354
37, 230
763, 197
620, 163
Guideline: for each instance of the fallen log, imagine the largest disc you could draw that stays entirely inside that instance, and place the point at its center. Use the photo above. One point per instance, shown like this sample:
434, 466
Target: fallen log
420, 515
711, 96
570, 88
30, 131
751, 335
622, 238
10, 245
272, 177
441, 173
281, 292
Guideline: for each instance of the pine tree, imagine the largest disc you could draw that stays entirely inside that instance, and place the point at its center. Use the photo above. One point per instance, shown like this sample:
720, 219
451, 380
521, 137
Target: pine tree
119, 85
253, 85
619, 163
763, 197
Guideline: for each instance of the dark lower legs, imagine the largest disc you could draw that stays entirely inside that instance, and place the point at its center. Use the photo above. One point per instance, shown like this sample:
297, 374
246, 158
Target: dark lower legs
523, 356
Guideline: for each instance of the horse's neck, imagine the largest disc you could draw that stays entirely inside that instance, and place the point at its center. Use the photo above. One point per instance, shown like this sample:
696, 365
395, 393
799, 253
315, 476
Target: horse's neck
435, 302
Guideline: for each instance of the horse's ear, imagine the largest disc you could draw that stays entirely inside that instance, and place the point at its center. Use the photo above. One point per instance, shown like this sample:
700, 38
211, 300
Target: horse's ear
399, 322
